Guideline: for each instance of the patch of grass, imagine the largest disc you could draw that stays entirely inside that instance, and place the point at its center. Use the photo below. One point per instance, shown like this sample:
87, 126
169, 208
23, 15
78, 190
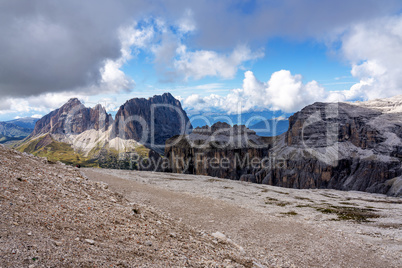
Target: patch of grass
274, 201
142, 151
326, 210
290, 213
56, 151
329, 195
304, 206
176, 179
279, 192
390, 225
348, 203
213, 180
227, 187
264, 190
349, 213
282, 204
302, 198
383, 201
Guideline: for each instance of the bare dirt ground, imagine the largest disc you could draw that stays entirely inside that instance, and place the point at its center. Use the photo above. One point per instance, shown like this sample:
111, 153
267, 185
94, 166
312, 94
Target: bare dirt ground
275, 226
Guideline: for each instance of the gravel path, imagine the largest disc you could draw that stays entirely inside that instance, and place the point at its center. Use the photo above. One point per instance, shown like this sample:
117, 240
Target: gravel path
275, 226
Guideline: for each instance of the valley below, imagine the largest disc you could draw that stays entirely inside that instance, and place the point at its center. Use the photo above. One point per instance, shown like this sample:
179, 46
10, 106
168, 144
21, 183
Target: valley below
274, 226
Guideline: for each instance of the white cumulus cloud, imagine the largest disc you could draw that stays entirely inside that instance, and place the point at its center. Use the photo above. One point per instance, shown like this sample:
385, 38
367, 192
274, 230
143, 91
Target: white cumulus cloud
374, 50
201, 63
283, 91
173, 58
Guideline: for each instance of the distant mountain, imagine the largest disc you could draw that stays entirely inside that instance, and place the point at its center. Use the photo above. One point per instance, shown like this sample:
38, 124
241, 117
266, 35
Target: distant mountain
162, 115
11, 132
264, 123
248, 119
75, 134
26, 122
270, 128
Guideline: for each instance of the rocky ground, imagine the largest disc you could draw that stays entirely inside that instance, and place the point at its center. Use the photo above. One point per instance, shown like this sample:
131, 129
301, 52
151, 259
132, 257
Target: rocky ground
276, 227
51, 215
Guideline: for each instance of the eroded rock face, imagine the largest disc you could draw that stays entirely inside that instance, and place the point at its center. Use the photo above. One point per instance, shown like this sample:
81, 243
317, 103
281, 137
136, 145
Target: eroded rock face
345, 146
342, 146
73, 118
323, 124
220, 150
151, 121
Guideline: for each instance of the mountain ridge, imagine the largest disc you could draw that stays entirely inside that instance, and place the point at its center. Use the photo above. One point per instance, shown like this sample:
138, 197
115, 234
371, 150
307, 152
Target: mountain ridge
94, 135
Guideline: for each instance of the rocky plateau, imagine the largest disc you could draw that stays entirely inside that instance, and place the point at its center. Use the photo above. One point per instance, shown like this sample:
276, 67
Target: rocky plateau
345, 146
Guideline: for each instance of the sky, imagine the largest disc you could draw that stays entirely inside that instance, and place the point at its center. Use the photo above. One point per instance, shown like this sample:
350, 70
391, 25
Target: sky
214, 56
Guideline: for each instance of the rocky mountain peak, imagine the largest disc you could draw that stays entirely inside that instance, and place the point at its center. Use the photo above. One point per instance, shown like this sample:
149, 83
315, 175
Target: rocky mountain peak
139, 121
74, 100
73, 118
151, 121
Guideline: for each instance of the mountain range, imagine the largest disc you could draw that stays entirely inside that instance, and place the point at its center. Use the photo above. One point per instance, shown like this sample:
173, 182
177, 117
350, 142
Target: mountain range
346, 146
17, 129
265, 123
76, 134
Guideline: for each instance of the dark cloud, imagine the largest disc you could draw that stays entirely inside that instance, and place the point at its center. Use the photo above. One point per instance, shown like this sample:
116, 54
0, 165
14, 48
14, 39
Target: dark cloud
54, 46
50, 46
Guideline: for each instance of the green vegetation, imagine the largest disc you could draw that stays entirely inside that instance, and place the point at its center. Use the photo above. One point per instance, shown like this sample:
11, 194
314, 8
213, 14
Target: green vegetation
302, 198
348, 203
274, 201
329, 195
279, 192
290, 213
212, 180
350, 213
177, 179
56, 151
142, 151
390, 225
304, 206
99, 156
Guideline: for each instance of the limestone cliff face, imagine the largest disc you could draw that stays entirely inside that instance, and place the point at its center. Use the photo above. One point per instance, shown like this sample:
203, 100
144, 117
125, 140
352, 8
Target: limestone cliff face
323, 124
220, 150
345, 146
151, 121
341, 146
73, 118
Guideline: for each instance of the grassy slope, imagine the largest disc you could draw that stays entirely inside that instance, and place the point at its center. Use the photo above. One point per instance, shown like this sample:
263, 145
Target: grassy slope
63, 152
56, 151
